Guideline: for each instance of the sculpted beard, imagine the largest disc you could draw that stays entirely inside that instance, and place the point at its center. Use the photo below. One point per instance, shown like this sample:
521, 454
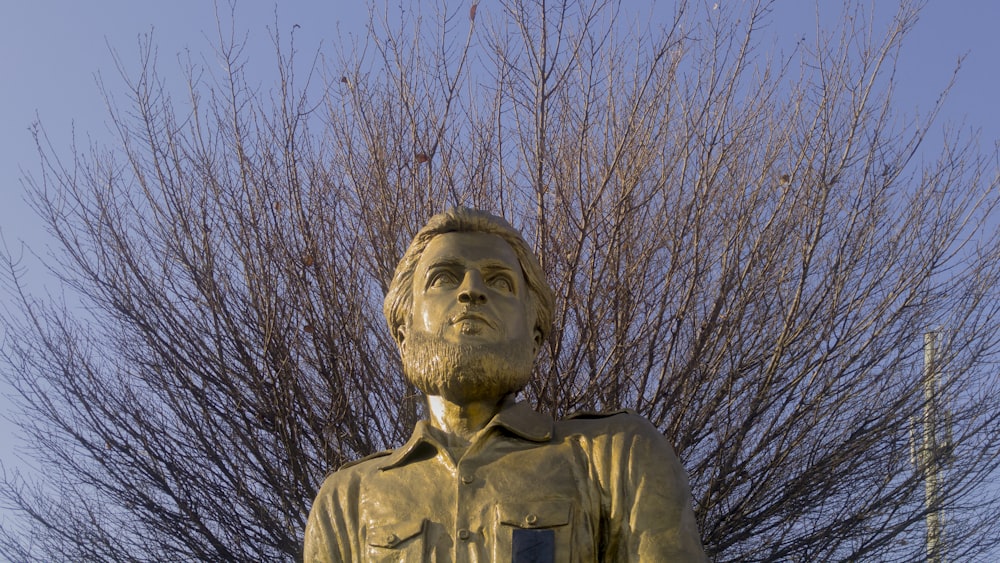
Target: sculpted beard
467, 372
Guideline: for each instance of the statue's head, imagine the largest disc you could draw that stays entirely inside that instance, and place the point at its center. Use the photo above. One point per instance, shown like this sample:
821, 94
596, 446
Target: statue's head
469, 307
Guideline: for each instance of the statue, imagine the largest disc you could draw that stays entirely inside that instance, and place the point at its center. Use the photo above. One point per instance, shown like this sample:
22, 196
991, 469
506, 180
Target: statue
486, 478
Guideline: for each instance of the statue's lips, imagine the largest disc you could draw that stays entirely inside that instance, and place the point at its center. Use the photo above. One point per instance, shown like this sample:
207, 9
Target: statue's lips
470, 316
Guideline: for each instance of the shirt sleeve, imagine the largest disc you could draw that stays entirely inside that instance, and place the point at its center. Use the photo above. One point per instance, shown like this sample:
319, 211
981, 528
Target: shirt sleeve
331, 532
647, 496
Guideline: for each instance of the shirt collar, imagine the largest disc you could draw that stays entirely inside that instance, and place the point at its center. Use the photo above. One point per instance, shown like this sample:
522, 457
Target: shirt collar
516, 417
523, 421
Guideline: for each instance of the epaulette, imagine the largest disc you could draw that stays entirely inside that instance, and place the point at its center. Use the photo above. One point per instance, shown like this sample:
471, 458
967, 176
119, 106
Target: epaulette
375, 455
596, 414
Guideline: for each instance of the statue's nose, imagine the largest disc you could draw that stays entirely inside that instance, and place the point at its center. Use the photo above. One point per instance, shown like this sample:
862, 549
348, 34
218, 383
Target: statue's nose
472, 290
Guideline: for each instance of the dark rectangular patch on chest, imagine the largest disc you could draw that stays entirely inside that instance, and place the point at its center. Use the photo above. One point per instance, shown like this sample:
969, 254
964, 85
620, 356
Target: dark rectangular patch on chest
534, 546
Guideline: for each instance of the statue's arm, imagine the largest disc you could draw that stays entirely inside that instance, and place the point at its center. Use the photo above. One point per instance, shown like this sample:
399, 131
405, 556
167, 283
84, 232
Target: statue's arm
651, 518
332, 528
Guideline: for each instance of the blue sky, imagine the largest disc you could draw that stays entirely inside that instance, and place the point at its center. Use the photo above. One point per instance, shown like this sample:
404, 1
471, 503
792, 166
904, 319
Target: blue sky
51, 52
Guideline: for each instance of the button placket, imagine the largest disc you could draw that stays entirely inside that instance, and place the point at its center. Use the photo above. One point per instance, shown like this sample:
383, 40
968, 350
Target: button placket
468, 484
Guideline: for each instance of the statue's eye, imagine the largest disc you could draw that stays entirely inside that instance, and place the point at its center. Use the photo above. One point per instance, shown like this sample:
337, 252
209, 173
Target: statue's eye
502, 283
442, 279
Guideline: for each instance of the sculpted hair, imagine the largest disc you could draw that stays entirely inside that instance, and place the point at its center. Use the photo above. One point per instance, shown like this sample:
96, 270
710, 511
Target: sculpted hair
399, 299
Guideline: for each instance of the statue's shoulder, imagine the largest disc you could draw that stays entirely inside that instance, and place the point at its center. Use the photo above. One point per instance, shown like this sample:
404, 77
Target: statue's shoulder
603, 422
364, 462
588, 415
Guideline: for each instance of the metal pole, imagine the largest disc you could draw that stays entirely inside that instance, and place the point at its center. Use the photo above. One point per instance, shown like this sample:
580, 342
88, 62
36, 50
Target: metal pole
929, 460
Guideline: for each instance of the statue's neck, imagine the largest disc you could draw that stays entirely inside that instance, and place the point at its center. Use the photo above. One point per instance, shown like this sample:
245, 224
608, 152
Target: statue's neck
461, 422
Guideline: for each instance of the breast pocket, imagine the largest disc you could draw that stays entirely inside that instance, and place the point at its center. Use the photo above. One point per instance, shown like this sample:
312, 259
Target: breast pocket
534, 532
396, 541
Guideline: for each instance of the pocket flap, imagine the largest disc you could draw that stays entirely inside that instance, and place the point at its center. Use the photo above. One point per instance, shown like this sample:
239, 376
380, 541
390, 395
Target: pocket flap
537, 514
393, 533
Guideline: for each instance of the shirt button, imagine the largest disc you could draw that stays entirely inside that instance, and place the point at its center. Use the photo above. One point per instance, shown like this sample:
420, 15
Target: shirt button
391, 539
468, 478
531, 519
463, 534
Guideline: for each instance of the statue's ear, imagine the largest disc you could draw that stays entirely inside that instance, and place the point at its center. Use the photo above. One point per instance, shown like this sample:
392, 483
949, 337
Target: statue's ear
400, 336
539, 338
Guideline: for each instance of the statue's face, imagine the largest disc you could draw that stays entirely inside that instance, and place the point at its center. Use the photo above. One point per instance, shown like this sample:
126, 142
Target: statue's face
468, 288
470, 336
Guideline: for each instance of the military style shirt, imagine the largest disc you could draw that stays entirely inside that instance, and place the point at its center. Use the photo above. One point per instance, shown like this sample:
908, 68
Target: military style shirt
591, 488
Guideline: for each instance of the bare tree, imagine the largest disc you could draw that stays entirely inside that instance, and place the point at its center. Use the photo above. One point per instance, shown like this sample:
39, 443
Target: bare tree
746, 248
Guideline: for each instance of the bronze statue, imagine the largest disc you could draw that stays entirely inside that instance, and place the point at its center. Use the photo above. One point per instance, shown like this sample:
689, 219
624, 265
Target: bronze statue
486, 478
